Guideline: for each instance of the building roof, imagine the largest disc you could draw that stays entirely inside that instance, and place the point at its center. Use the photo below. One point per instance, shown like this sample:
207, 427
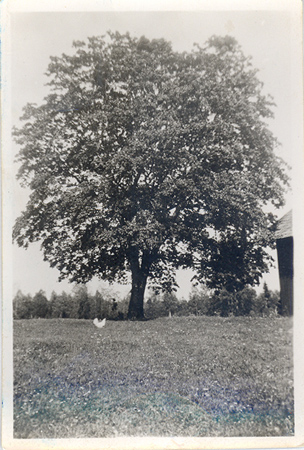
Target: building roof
284, 226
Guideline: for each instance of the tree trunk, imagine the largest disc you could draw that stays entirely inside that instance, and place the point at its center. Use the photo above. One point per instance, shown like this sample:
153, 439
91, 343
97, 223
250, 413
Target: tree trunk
139, 281
136, 305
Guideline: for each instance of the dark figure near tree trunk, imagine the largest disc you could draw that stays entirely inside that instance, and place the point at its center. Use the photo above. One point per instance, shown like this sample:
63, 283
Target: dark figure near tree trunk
114, 305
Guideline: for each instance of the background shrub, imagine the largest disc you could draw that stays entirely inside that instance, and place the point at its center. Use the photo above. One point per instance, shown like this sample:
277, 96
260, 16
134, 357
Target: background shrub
80, 304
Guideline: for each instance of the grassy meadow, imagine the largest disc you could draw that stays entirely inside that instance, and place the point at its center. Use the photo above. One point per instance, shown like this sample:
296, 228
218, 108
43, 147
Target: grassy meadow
184, 376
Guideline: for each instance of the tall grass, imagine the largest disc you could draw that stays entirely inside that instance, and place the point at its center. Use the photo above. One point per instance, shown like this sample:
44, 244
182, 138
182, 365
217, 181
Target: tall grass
187, 376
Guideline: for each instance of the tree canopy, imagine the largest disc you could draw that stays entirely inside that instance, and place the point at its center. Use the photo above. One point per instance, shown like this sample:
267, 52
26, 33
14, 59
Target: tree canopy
143, 160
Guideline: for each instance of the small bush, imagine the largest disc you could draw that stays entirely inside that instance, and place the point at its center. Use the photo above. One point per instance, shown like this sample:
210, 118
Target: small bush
243, 303
222, 303
22, 306
199, 301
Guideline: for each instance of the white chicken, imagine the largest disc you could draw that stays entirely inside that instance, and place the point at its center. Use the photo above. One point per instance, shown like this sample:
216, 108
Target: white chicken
99, 324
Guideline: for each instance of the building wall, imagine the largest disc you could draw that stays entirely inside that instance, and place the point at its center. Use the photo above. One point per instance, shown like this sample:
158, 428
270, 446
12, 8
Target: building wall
285, 259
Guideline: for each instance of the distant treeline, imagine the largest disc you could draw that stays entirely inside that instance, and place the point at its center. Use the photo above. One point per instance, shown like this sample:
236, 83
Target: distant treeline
83, 305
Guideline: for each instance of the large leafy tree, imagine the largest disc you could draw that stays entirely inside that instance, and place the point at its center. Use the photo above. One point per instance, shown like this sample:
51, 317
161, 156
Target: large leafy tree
143, 160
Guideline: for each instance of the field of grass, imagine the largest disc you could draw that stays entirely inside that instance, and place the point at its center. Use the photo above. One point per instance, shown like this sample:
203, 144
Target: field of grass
184, 376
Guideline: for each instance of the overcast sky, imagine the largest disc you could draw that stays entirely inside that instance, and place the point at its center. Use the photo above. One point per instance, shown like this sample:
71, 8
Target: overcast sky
35, 36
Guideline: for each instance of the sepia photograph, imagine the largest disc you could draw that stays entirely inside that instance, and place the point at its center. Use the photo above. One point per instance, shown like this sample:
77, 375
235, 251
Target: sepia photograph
152, 187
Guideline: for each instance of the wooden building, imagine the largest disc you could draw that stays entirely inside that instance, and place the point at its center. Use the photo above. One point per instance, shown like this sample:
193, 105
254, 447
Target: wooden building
284, 242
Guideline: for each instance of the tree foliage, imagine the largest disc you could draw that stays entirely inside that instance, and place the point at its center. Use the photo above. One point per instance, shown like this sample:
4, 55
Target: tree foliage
199, 300
22, 306
143, 160
40, 305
